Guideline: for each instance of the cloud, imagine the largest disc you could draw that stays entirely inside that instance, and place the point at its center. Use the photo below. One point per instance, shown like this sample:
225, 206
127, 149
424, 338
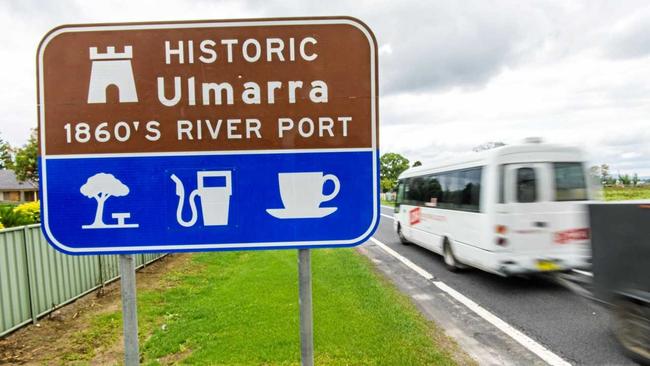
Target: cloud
630, 36
626, 151
451, 46
576, 96
453, 74
435, 45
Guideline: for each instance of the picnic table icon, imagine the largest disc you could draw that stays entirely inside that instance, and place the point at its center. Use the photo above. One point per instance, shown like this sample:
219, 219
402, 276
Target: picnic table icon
101, 187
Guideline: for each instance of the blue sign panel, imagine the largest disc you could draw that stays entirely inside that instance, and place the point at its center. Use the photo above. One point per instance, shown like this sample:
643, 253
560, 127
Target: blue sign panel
128, 166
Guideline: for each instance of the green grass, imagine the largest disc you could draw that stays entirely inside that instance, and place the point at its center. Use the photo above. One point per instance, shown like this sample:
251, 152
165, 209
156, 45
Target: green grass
241, 308
388, 203
626, 193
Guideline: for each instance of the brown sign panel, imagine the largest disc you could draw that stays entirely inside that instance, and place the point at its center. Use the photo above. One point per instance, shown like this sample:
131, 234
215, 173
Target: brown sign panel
208, 86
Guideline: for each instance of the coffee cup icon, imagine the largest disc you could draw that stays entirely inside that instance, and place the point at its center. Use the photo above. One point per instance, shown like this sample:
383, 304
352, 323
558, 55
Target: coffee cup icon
302, 194
215, 201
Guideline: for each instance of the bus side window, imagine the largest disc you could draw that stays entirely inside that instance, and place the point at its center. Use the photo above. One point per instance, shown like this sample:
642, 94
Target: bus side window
417, 191
471, 194
434, 191
502, 183
526, 185
446, 186
408, 191
400, 195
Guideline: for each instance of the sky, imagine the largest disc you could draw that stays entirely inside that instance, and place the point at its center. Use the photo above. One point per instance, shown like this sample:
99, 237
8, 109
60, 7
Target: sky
453, 74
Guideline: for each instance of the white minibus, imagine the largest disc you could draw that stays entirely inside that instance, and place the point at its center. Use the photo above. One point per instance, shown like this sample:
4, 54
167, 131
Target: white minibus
517, 209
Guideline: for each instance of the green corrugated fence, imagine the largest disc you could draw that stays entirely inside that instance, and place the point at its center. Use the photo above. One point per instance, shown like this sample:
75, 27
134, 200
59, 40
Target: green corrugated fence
35, 279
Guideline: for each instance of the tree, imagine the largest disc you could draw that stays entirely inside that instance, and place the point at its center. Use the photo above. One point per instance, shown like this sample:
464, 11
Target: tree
391, 165
635, 179
605, 178
386, 185
594, 172
101, 186
488, 146
625, 179
6, 161
24, 164
417, 163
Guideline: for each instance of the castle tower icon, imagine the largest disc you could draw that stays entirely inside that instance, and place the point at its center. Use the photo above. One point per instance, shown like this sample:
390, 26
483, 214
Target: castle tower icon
111, 68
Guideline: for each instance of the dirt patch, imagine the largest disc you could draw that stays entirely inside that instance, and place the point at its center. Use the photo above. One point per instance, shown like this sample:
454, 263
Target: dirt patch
49, 341
112, 355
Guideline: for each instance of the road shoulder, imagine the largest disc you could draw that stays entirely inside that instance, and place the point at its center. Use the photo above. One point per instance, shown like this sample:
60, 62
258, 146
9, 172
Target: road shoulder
481, 340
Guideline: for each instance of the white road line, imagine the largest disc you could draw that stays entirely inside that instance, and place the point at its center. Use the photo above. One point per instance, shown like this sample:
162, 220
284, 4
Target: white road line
575, 270
536, 348
388, 216
541, 351
403, 259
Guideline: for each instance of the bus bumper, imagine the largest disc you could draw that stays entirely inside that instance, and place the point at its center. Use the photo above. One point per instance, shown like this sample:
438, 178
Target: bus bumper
509, 264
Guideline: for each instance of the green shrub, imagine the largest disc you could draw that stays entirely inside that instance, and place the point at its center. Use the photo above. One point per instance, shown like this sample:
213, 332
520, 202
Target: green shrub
25, 214
30, 210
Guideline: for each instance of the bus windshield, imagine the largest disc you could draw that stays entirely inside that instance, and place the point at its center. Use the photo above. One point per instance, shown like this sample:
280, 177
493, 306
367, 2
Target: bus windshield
570, 182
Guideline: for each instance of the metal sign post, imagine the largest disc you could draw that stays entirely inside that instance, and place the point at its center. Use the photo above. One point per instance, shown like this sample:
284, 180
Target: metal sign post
306, 318
129, 310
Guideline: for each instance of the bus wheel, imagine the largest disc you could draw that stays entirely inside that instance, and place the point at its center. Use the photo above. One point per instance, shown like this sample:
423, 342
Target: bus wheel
451, 262
402, 238
632, 322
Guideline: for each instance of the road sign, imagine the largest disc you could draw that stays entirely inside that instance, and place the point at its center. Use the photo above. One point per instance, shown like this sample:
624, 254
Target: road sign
211, 135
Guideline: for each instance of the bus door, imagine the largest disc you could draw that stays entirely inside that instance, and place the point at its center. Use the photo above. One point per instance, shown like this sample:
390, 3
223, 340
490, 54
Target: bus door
526, 217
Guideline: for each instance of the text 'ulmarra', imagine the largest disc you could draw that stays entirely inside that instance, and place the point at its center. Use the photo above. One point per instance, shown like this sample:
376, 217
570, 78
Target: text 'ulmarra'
250, 92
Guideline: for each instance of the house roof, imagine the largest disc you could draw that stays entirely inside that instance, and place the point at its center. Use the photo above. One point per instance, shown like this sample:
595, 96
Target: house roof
9, 182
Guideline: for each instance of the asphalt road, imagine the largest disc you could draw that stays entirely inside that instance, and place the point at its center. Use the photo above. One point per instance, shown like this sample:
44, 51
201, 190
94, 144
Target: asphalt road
565, 323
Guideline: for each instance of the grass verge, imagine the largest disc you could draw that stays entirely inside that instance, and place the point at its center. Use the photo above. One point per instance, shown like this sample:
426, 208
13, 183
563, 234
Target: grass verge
626, 193
388, 203
241, 308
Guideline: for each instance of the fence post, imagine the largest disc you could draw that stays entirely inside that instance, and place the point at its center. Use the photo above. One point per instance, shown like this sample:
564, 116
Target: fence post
101, 273
30, 285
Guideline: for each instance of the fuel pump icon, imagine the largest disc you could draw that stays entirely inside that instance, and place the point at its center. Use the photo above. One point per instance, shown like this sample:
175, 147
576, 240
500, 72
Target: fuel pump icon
215, 201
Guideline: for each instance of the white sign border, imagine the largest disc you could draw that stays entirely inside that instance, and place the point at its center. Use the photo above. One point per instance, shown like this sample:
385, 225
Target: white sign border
212, 247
